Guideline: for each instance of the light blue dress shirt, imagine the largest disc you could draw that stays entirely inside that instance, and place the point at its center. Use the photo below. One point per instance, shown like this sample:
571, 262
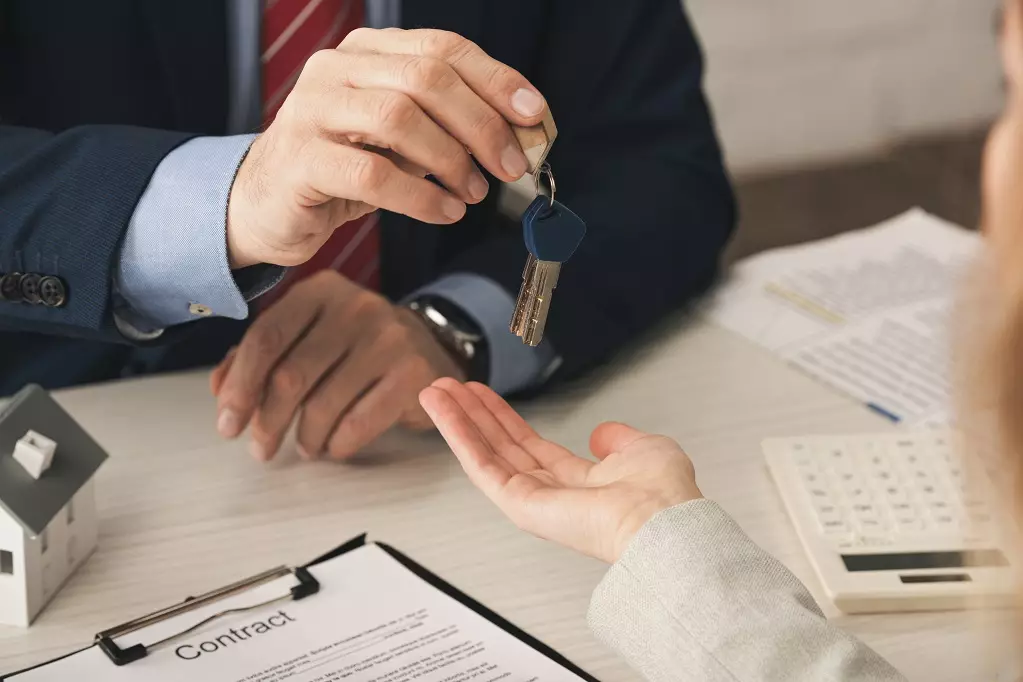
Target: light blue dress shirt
174, 267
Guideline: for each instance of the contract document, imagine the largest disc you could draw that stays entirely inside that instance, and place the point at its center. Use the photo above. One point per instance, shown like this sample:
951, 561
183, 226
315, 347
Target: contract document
373, 620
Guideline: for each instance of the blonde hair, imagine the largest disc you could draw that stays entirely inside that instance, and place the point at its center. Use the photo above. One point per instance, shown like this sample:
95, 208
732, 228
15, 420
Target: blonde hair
988, 361
987, 335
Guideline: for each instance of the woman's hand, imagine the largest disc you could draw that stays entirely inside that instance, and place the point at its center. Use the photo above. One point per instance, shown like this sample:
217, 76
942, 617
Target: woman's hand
592, 507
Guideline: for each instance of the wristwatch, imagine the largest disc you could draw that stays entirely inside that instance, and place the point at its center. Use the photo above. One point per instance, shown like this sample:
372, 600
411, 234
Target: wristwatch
457, 332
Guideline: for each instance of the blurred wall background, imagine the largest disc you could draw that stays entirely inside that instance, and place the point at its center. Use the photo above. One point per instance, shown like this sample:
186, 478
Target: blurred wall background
838, 113
799, 81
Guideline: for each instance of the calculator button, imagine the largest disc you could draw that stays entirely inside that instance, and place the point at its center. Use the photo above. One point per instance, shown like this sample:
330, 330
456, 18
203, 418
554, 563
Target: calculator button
976, 541
807, 465
829, 513
906, 458
826, 508
939, 507
857, 494
905, 450
929, 493
871, 526
835, 527
909, 525
979, 518
873, 461
834, 457
872, 540
921, 477
813, 479
972, 501
865, 509
819, 493
883, 478
845, 479
944, 523
895, 494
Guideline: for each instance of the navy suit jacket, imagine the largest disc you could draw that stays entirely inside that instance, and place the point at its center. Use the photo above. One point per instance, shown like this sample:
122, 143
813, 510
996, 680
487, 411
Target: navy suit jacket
94, 94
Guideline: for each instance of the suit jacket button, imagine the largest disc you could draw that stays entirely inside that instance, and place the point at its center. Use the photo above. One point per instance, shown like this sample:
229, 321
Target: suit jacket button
30, 287
52, 291
10, 286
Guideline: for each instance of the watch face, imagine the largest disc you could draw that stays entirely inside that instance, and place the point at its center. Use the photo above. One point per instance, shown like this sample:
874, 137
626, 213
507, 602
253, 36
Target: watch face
456, 317
461, 335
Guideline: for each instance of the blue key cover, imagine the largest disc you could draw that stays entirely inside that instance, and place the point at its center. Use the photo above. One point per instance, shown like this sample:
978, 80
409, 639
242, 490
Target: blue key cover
552, 232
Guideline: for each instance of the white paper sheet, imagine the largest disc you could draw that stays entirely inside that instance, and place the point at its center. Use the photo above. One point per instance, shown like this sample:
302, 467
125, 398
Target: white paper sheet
373, 621
866, 312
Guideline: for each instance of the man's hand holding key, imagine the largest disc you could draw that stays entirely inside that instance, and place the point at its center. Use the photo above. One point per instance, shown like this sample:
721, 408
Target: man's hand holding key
364, 125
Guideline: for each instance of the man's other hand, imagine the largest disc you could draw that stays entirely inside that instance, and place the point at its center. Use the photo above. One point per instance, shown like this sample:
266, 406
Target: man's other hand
364, 125
344, 362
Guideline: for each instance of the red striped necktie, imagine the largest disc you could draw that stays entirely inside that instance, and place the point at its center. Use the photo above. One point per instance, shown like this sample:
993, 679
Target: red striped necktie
292, 31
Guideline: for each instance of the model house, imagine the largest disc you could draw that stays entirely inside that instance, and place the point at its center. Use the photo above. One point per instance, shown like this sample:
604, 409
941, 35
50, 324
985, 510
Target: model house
48, 523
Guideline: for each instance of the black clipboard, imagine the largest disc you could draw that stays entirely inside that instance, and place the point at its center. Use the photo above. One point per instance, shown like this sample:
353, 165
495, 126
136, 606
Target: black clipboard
307, 587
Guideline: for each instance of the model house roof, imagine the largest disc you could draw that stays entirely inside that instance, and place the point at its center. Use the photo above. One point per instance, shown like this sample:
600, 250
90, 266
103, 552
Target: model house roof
34, 503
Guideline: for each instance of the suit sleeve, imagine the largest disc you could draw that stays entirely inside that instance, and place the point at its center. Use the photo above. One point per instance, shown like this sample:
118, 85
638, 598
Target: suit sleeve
693, 598
175, 250
66, 201
637, 158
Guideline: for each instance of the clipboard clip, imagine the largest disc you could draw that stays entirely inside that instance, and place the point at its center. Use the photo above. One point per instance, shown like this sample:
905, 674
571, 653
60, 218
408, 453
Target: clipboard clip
307, 586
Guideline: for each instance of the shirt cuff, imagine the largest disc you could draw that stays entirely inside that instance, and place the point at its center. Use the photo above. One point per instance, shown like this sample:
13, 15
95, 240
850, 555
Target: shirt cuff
514, 366
173, 265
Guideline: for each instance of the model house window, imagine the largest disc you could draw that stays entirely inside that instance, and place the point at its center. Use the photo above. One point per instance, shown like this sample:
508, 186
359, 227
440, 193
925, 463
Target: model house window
44, 540
6, 562
70, 511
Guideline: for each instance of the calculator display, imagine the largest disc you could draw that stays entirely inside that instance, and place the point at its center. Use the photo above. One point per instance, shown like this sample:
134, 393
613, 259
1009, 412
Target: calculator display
985, 558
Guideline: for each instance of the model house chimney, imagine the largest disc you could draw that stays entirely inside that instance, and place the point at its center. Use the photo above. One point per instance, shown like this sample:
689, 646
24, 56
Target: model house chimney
35, 452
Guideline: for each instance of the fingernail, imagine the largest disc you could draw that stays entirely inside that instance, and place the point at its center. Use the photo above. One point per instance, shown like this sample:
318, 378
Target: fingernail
478, 186
514, 162
258, 451
303, 453
527, 102
229, 424
453, 208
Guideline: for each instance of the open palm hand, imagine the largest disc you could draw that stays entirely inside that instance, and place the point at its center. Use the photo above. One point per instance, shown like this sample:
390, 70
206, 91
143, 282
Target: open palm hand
545, 489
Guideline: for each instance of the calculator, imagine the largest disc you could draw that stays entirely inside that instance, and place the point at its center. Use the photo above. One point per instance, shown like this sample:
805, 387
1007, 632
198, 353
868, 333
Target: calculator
894, 522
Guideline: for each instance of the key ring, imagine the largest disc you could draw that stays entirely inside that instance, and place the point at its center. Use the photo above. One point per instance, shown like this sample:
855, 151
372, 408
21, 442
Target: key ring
545, 169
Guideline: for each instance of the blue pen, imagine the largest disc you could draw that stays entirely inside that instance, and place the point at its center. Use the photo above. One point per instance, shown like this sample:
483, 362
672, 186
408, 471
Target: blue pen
883, 412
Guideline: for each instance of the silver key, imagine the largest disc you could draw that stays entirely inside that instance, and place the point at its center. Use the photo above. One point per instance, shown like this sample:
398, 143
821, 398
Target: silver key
539, 280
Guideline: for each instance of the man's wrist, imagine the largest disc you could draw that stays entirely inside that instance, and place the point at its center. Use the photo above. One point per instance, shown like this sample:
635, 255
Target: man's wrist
238, 257
238, 254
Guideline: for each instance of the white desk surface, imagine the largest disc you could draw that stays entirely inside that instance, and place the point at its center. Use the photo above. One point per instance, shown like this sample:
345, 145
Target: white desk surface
183, 512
